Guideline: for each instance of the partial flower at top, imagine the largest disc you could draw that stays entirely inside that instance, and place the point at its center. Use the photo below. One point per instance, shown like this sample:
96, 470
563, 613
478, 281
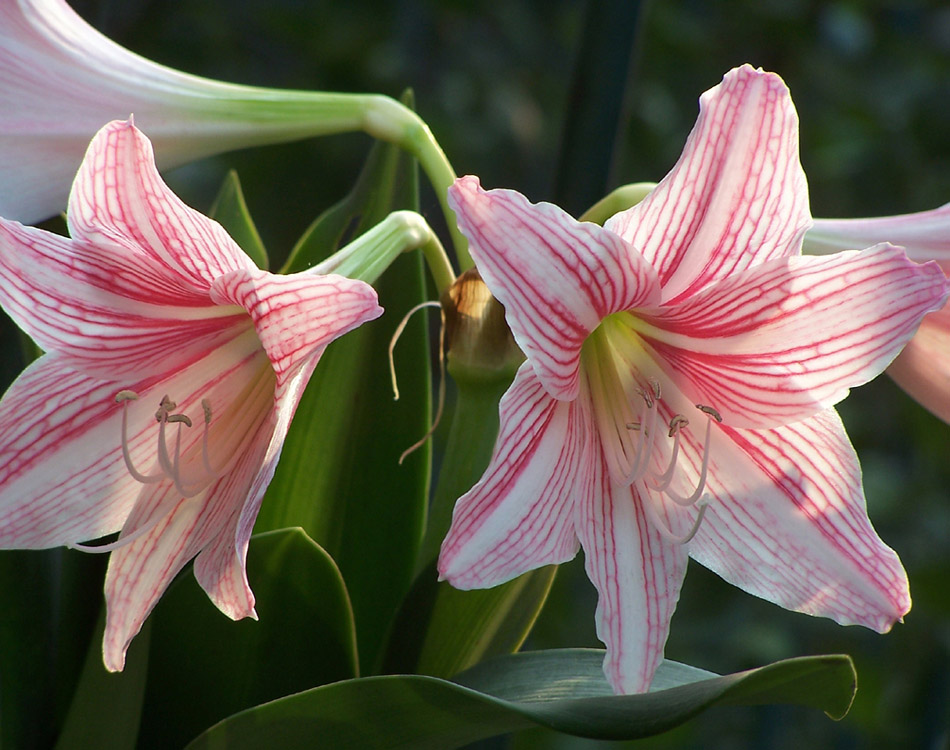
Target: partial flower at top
173, 369
61, 80
923, 368
682, 363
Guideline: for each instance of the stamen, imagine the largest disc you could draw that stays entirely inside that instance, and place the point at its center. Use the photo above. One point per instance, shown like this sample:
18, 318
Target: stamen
205, 459
173, 469
710, 411
398, 332
697, 493
645, 443
121, 541
392, 372
123, 397
677, 423
647, 397
665, 531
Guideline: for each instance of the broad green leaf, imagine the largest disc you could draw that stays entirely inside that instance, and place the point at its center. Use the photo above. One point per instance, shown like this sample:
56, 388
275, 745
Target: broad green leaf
107, 707
339, 476
204, 667
563, 690
230, 210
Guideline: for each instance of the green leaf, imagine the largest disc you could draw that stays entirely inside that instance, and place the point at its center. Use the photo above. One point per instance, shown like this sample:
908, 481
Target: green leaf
563, 690
51, 600
204, 667
469, 626
230, 210
441, 630
106, 707
339, 476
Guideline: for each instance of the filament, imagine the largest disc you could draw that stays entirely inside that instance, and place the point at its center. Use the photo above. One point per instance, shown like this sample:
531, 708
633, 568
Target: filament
123, 397
392, 371
122, 541
700, 486
665, 531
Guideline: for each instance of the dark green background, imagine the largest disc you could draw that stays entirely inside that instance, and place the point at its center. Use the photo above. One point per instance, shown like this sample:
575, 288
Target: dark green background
498, 84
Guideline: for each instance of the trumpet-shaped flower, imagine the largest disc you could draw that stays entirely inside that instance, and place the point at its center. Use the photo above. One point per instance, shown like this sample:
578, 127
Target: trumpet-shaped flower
61, 80
682, 363
173, 368
923, 368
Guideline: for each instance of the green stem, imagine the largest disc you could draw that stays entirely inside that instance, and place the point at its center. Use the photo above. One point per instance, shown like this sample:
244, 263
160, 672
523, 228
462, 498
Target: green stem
393, 122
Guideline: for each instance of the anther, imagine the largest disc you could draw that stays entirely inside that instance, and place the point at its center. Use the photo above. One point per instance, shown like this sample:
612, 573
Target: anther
165, 406
710, 411
677, 423
206, 408
633, 426
647, 397
178, 418
126, 396
655, 385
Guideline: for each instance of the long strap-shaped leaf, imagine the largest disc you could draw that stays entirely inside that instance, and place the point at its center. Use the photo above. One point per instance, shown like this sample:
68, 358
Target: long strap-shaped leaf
563, 690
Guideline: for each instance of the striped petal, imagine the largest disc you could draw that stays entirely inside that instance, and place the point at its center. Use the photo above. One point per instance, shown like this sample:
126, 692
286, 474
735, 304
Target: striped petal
55, 416
786, 339
118, 197
788, 523
520, 515
215, 525
557, 277
220, 567
637, 574
140, 572
925, 235
737, 196
297, 316
108, 313
923, 368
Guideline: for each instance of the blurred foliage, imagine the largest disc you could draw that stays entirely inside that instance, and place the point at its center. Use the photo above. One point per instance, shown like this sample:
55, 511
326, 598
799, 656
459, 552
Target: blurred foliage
871, 81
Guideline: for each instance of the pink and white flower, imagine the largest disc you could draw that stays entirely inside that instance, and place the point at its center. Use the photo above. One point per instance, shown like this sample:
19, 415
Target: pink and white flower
923, 368
152, 305
682, 364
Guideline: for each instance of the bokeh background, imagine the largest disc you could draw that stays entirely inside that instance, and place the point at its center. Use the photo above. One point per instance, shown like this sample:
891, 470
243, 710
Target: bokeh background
563, 100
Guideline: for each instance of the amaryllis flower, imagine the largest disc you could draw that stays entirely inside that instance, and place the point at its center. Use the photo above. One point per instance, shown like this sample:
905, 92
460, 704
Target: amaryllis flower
61, 80
923, 368
682, 362
172, 371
